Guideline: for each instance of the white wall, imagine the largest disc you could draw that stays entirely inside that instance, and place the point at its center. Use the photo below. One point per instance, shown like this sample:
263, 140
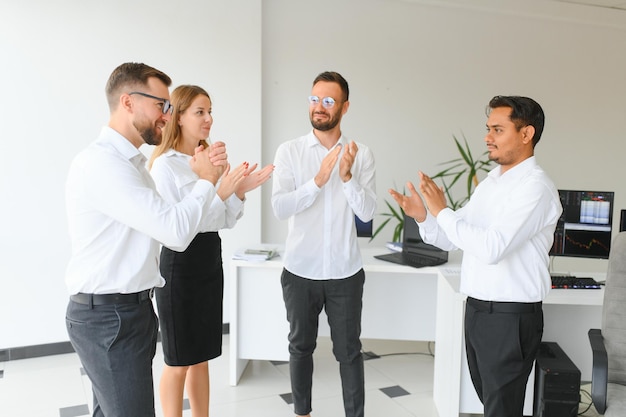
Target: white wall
419, 72
56, 58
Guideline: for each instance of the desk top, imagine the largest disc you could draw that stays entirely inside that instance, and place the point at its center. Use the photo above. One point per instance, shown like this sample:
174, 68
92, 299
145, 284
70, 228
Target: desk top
450, 271
371, 264
581, 297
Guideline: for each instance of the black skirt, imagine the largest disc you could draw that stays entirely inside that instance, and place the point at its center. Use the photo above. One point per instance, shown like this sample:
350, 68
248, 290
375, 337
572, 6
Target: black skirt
190, 303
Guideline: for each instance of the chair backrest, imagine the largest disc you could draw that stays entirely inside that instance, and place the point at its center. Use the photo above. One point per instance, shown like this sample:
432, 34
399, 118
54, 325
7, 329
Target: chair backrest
614, 311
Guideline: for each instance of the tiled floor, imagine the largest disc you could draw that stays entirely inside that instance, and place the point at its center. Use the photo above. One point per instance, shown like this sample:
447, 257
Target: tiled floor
398, 384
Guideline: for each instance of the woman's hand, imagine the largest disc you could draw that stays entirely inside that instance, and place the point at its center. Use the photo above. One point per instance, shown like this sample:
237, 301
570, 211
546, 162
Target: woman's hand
230, 180
253, 179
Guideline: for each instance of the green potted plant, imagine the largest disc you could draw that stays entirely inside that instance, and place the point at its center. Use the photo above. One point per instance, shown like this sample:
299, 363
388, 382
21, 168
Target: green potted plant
465, 169
397, 215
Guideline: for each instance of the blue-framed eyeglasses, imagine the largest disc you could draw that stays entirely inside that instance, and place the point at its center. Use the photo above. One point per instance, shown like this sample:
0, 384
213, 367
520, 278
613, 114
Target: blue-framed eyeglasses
166, 106
327, 102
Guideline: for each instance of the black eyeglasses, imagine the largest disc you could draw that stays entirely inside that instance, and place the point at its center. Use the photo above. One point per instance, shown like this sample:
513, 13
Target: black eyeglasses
327, 102
166, 106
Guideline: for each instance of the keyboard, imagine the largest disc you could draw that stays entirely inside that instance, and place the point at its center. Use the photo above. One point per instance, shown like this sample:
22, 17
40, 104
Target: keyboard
570, 281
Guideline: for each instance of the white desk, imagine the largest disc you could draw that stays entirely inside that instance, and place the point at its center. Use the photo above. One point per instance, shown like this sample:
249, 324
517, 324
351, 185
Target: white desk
399, 303
402, 303
568, 315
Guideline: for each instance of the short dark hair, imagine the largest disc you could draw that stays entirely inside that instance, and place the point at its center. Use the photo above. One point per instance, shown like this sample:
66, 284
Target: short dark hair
128, 76
524, 112
334, 77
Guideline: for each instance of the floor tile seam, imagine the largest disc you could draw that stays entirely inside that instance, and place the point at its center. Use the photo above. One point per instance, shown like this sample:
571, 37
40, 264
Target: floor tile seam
376, 369
402, 405
386, 370
249, 400
403, 360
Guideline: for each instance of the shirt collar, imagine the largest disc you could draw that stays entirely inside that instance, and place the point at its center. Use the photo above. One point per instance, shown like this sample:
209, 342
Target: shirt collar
312, 140
173, 152
517, 171
122, 145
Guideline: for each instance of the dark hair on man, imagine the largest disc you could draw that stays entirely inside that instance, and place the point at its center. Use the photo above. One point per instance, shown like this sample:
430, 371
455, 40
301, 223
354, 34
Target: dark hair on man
524, 112
334, 77
129, 76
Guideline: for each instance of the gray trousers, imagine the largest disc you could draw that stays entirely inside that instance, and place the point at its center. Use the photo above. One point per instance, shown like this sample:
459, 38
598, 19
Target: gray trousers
116, 345
342, 301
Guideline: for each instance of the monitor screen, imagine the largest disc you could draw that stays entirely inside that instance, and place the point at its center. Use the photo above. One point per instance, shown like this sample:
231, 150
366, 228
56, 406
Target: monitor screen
584, 229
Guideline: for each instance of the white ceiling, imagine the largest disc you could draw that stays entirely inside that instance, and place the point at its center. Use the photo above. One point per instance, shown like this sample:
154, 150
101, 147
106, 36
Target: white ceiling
617, 5
609, 4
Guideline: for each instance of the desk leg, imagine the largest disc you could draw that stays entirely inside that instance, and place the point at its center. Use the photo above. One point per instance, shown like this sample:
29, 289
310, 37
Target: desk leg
237, 366
448, 350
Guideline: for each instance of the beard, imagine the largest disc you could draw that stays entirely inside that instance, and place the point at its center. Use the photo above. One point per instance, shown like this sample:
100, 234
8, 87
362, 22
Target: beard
325, 125
149, 133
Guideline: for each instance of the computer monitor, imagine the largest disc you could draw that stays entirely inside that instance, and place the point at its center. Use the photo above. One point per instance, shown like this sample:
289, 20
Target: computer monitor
584, 229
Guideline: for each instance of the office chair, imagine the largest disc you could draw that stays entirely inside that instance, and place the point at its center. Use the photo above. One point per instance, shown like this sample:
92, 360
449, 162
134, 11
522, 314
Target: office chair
608, 345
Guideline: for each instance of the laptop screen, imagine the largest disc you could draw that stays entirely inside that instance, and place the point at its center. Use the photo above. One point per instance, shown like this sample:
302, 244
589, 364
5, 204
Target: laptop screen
412, 241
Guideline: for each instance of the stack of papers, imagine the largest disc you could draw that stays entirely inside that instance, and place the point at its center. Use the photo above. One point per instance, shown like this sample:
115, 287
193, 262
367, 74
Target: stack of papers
394, 246
255, 255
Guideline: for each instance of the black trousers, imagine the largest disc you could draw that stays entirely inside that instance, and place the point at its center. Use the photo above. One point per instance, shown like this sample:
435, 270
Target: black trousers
342, 301
501, 340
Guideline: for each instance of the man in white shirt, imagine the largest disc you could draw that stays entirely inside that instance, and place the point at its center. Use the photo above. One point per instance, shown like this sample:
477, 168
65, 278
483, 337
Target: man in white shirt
117, 222
321, 181
505, 232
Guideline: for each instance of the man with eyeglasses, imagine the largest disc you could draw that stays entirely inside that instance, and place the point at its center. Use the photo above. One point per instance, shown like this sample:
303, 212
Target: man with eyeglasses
117, 222
321, 181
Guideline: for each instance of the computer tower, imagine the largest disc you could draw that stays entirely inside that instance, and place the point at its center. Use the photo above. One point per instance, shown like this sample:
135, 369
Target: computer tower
557, 383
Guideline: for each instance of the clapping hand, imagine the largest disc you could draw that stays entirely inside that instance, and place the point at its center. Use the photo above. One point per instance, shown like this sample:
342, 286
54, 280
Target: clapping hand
347, 160
328, 163
231, 180
253, 179
209, 163
414, 206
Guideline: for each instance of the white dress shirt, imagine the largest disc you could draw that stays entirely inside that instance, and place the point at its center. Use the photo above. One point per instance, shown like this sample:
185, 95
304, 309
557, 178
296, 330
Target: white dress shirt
175, 179
321, 241
505, 231
117, 219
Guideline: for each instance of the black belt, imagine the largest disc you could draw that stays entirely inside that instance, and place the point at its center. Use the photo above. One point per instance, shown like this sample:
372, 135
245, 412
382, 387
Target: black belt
105, 299
503, 306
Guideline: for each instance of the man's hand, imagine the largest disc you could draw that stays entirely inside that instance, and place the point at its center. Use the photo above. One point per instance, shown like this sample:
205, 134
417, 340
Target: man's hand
412, 204
433, 194
347, 160
328, 163
201, 163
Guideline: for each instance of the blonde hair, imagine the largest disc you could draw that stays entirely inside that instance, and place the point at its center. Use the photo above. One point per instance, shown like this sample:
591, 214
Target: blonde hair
181, 98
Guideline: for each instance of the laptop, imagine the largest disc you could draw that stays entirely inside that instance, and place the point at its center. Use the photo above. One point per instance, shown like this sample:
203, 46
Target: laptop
415, 252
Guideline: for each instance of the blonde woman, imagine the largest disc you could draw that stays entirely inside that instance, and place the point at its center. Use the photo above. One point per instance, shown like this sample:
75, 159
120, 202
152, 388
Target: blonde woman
190, 303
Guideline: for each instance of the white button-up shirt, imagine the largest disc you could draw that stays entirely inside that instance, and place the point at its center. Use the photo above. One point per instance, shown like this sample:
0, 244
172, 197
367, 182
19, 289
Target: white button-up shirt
175, 179
321, 241
117, 220
505, 231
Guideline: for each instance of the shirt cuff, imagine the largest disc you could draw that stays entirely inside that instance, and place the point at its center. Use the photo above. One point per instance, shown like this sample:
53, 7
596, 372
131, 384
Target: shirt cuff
429, 224
203, 190
311, 187
445, 217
